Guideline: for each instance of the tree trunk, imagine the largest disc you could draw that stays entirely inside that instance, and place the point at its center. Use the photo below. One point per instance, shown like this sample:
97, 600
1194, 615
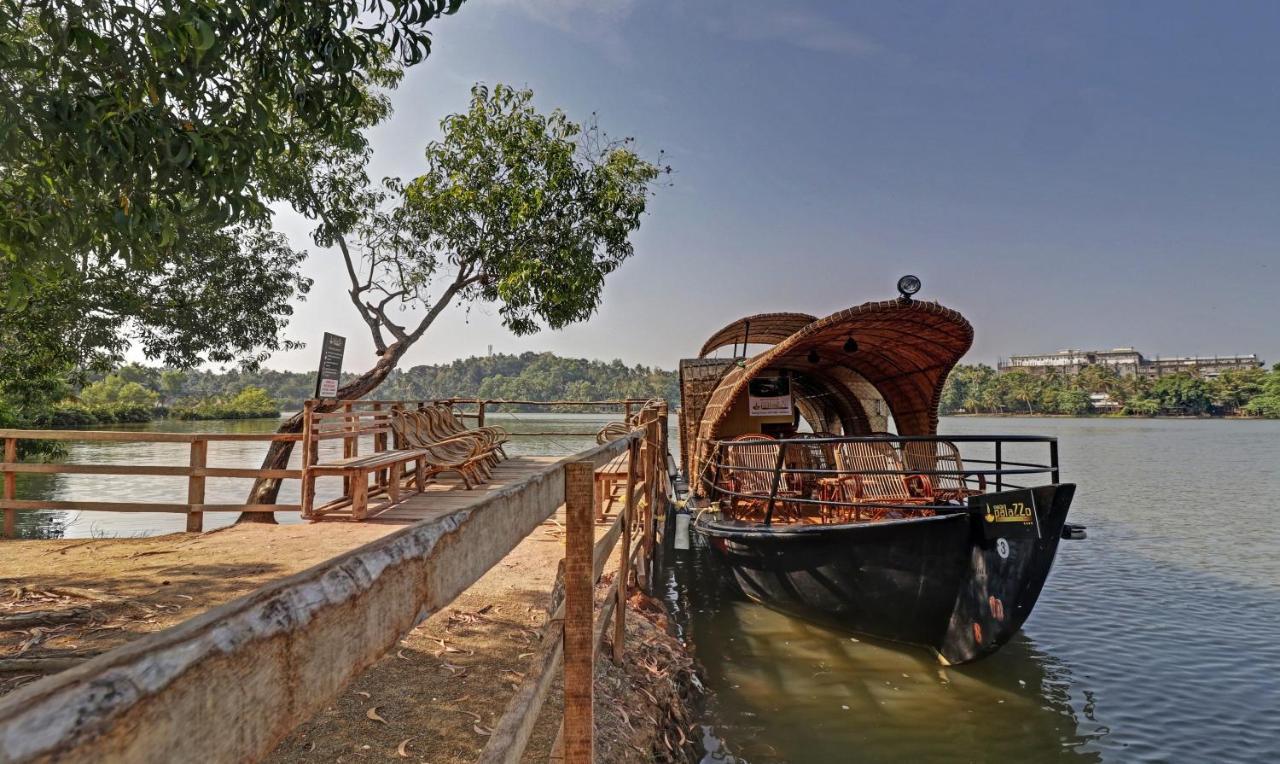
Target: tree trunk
266, 490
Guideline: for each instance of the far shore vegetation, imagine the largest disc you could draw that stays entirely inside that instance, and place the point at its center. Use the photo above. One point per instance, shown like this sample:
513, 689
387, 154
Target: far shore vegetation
137, 393
980, 389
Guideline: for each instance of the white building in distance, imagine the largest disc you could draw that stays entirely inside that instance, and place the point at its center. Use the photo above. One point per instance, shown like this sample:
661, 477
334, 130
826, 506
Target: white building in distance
1129, 362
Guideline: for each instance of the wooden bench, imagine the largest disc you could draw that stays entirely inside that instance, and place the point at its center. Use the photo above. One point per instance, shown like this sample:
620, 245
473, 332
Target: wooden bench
386, 465
607, 479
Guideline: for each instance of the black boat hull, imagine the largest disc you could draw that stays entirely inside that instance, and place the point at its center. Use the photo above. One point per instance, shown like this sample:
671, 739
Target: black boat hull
951, 582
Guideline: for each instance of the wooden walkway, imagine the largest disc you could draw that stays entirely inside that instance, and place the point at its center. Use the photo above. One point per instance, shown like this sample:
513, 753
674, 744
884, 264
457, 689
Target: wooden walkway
446, 493
322, 602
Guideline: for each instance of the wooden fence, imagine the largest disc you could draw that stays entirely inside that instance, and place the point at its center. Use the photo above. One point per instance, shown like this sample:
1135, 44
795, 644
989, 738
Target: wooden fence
195, 471
252, 669
576, 631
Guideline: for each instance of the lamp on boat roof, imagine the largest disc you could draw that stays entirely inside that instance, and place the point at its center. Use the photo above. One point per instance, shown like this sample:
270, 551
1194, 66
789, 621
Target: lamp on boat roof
908, 285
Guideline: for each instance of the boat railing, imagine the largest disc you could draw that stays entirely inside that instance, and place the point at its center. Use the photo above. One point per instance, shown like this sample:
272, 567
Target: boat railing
868, 477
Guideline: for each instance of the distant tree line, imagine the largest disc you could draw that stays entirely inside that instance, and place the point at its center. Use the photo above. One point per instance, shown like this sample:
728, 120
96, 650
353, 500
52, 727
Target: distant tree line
980, 389
138, 393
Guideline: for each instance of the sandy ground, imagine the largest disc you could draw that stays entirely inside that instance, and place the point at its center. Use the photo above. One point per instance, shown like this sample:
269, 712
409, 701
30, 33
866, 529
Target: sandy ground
120, 589
433, 698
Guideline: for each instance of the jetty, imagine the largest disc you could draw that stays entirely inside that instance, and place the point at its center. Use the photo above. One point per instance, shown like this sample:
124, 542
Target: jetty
221, 656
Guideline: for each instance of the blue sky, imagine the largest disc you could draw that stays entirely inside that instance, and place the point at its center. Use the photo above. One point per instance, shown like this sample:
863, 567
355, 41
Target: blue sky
1083, 174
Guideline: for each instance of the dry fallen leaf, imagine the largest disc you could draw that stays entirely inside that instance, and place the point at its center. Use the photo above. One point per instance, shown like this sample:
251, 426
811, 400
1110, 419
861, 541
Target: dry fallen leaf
363, 693
482, 730
403, 749
400, 655
372, 713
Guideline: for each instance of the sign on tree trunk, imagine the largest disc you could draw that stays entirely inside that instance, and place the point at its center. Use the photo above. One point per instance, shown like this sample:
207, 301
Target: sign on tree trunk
330, 366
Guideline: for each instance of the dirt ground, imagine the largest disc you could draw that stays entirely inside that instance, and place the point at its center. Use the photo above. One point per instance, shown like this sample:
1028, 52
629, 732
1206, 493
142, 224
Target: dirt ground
97, 594
433, 699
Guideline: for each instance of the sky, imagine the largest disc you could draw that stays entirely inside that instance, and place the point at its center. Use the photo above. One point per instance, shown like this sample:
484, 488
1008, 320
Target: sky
1078, 174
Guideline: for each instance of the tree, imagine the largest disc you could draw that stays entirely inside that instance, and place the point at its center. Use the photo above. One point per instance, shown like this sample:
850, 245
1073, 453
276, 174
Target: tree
128, 123
1182, 392
1236, 387
516, 208
225, 295
1024, 387
115, 390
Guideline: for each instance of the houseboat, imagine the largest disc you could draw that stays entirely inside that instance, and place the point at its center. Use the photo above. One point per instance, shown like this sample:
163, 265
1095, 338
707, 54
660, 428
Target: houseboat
818, 475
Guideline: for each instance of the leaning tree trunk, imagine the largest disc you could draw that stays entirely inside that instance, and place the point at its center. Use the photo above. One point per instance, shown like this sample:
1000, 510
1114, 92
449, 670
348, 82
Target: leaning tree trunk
266, 490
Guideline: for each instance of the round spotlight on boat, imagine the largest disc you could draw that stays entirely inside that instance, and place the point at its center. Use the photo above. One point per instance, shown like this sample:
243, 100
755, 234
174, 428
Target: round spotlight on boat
851, 345
908, 285
813, 356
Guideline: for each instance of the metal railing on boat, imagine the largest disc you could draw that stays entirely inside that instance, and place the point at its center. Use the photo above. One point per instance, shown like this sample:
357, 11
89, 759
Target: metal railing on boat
1001, 468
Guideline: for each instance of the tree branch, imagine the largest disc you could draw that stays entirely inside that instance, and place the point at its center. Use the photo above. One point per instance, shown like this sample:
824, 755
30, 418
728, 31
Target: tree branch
368, 316
462, 281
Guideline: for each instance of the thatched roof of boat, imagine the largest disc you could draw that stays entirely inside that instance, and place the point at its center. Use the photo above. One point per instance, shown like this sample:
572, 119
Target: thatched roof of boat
761, 329
905, 349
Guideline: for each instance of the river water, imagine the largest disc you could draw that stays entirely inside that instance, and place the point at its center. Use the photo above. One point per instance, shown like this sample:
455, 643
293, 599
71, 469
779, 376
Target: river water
1156, 639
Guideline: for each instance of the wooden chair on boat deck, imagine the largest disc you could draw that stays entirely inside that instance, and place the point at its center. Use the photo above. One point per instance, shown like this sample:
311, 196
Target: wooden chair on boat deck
863, 486
748, 475
806, 456
942, 456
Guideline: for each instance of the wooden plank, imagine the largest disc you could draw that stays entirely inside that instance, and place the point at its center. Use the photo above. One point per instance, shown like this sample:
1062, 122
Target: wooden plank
195, 485
250, 670
511, 734
624, 557
143, 437
349, 414
10, 489
124, 506
93, 506
246, 508
579, 604
148, 469
265, 437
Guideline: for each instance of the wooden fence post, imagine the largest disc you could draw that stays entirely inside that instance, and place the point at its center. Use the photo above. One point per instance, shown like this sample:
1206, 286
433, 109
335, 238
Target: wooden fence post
10, 488
350, 444
624, 556
380, 444
479, 413
652, 490
579, 603
195, 484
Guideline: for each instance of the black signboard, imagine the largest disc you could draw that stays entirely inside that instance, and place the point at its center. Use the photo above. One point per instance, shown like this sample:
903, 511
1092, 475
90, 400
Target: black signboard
330, 366
1007, 514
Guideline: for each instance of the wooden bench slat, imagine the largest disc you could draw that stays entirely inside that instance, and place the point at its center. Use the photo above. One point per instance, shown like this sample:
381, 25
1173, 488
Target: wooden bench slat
381, 459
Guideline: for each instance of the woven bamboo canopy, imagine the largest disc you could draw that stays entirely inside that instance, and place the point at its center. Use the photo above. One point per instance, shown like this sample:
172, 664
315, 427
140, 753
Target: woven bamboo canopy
762, 329
904, 351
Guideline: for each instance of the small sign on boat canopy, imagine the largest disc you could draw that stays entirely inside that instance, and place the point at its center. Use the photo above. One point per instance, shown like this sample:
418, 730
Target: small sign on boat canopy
330, 365
769, 396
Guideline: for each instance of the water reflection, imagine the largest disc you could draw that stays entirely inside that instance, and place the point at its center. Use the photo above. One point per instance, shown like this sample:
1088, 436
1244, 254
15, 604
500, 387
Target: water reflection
1156, 640
789, 690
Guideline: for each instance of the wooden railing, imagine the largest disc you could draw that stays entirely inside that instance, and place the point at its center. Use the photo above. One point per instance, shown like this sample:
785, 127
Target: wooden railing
195, 471
576, 630
256, 667
346, 427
